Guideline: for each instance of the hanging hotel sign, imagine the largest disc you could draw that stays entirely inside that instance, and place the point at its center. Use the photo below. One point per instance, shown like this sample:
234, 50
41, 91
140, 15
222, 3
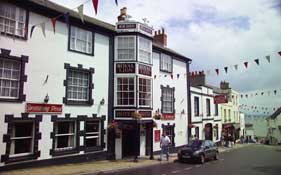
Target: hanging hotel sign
43, 108
124, 114
218, 99
134, 27
123, 68
168, 116
144, 70
145, 114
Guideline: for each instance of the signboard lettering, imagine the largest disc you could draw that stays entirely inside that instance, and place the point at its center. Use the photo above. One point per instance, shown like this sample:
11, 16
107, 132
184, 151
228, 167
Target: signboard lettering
218, 99
122, 68
144, 70
124, 114
145, 114
126, 26
43, 108
168, 116
146, 29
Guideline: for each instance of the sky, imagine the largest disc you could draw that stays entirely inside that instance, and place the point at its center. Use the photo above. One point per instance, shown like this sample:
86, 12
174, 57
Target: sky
214, 34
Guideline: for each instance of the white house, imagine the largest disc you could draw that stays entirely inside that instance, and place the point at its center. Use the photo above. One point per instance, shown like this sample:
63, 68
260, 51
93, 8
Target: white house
206, 119
54, 89
150, 90
274, 127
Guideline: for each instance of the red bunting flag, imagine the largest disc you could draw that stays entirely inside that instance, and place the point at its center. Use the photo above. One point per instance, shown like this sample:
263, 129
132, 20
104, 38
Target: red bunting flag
225, 69
154, 76
246, 64
279, 53
54, 20
172, 76
217, 71
257, 61
95, 3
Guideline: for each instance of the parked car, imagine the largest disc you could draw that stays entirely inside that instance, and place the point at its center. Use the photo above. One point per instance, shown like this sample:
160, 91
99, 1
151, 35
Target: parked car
199, 150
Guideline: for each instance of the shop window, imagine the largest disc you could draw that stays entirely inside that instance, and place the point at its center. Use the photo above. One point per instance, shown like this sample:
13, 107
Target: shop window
166, 63
93, 134
12, 77
167, 100
208, 107
13, 20
126, 48
197, 132
125, 91
22, 138
196, 106
145, 91
145, 50
78, 86
81, 40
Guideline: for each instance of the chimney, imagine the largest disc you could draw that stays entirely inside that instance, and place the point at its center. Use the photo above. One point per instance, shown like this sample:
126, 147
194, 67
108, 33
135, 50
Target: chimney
197, 78
224, 85
123, 14
160, 37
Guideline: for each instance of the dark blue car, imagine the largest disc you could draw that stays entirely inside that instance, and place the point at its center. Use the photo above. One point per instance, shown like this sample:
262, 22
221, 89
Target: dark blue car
199, 150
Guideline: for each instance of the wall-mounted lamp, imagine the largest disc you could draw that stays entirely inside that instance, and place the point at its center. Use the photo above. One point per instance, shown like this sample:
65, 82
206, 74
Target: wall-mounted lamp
46, 99
183, 112
102, 101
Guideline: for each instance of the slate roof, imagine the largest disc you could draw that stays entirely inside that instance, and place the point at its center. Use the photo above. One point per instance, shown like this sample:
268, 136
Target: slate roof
275, 114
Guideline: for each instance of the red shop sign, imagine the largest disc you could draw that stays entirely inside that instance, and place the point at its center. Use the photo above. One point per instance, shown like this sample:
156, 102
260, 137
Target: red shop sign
145, 114
122, 68
43, 108
168, 116
157, 135
218, 99
144, 70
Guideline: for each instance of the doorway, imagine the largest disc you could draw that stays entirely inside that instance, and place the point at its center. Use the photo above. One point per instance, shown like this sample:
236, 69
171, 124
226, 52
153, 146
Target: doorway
130, 140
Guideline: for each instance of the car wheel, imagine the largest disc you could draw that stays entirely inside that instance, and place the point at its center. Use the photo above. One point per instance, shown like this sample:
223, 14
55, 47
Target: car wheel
216, 156
202, 159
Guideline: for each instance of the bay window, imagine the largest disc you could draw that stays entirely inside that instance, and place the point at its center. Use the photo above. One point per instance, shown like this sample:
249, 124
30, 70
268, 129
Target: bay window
81, 40
126, 91
145, 50
126, 48
12, 20
145, 89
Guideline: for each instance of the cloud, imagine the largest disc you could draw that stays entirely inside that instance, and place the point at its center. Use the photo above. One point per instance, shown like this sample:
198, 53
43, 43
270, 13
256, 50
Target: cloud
215, 34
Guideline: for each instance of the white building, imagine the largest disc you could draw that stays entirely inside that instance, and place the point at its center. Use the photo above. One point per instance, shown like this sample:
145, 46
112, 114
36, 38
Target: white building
150, 82
274, 127
54, 89
206, 119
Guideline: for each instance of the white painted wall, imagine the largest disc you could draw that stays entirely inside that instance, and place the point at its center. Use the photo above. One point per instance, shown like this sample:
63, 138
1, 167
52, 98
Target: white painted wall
181, 120
47, 56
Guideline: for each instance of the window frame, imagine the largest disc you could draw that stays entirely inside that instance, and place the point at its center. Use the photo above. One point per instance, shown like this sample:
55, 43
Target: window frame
139, 50
26, 22
58, 135
80, 68
77, 51
8, 137
5, 54
116, 90
116, 48
208, 107
216, 109
198, 106
161, 63
162, 99
151, 91
170, 127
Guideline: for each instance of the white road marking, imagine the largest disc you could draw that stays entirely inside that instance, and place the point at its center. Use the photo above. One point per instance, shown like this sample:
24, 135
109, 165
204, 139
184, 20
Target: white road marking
176, 171
189, 168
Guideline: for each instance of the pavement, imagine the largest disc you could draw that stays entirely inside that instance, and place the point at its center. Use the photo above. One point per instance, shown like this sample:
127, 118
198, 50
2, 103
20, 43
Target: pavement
101, 167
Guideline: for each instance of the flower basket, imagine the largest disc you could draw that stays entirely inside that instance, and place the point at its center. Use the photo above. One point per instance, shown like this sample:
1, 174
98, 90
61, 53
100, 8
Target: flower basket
157, 116
136, 116
112, 125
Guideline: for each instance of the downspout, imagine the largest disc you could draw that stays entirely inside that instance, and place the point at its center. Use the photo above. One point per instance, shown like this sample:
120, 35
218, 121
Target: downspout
188, 101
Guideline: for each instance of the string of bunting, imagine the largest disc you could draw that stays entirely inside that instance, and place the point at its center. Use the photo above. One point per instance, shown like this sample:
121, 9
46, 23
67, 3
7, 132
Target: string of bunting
236, 67
260, 93
65, 15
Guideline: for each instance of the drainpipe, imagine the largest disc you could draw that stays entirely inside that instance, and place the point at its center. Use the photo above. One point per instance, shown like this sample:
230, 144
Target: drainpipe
188, 100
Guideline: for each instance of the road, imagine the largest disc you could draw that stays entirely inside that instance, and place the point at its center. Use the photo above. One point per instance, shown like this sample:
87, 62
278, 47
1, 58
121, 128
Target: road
250, 160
